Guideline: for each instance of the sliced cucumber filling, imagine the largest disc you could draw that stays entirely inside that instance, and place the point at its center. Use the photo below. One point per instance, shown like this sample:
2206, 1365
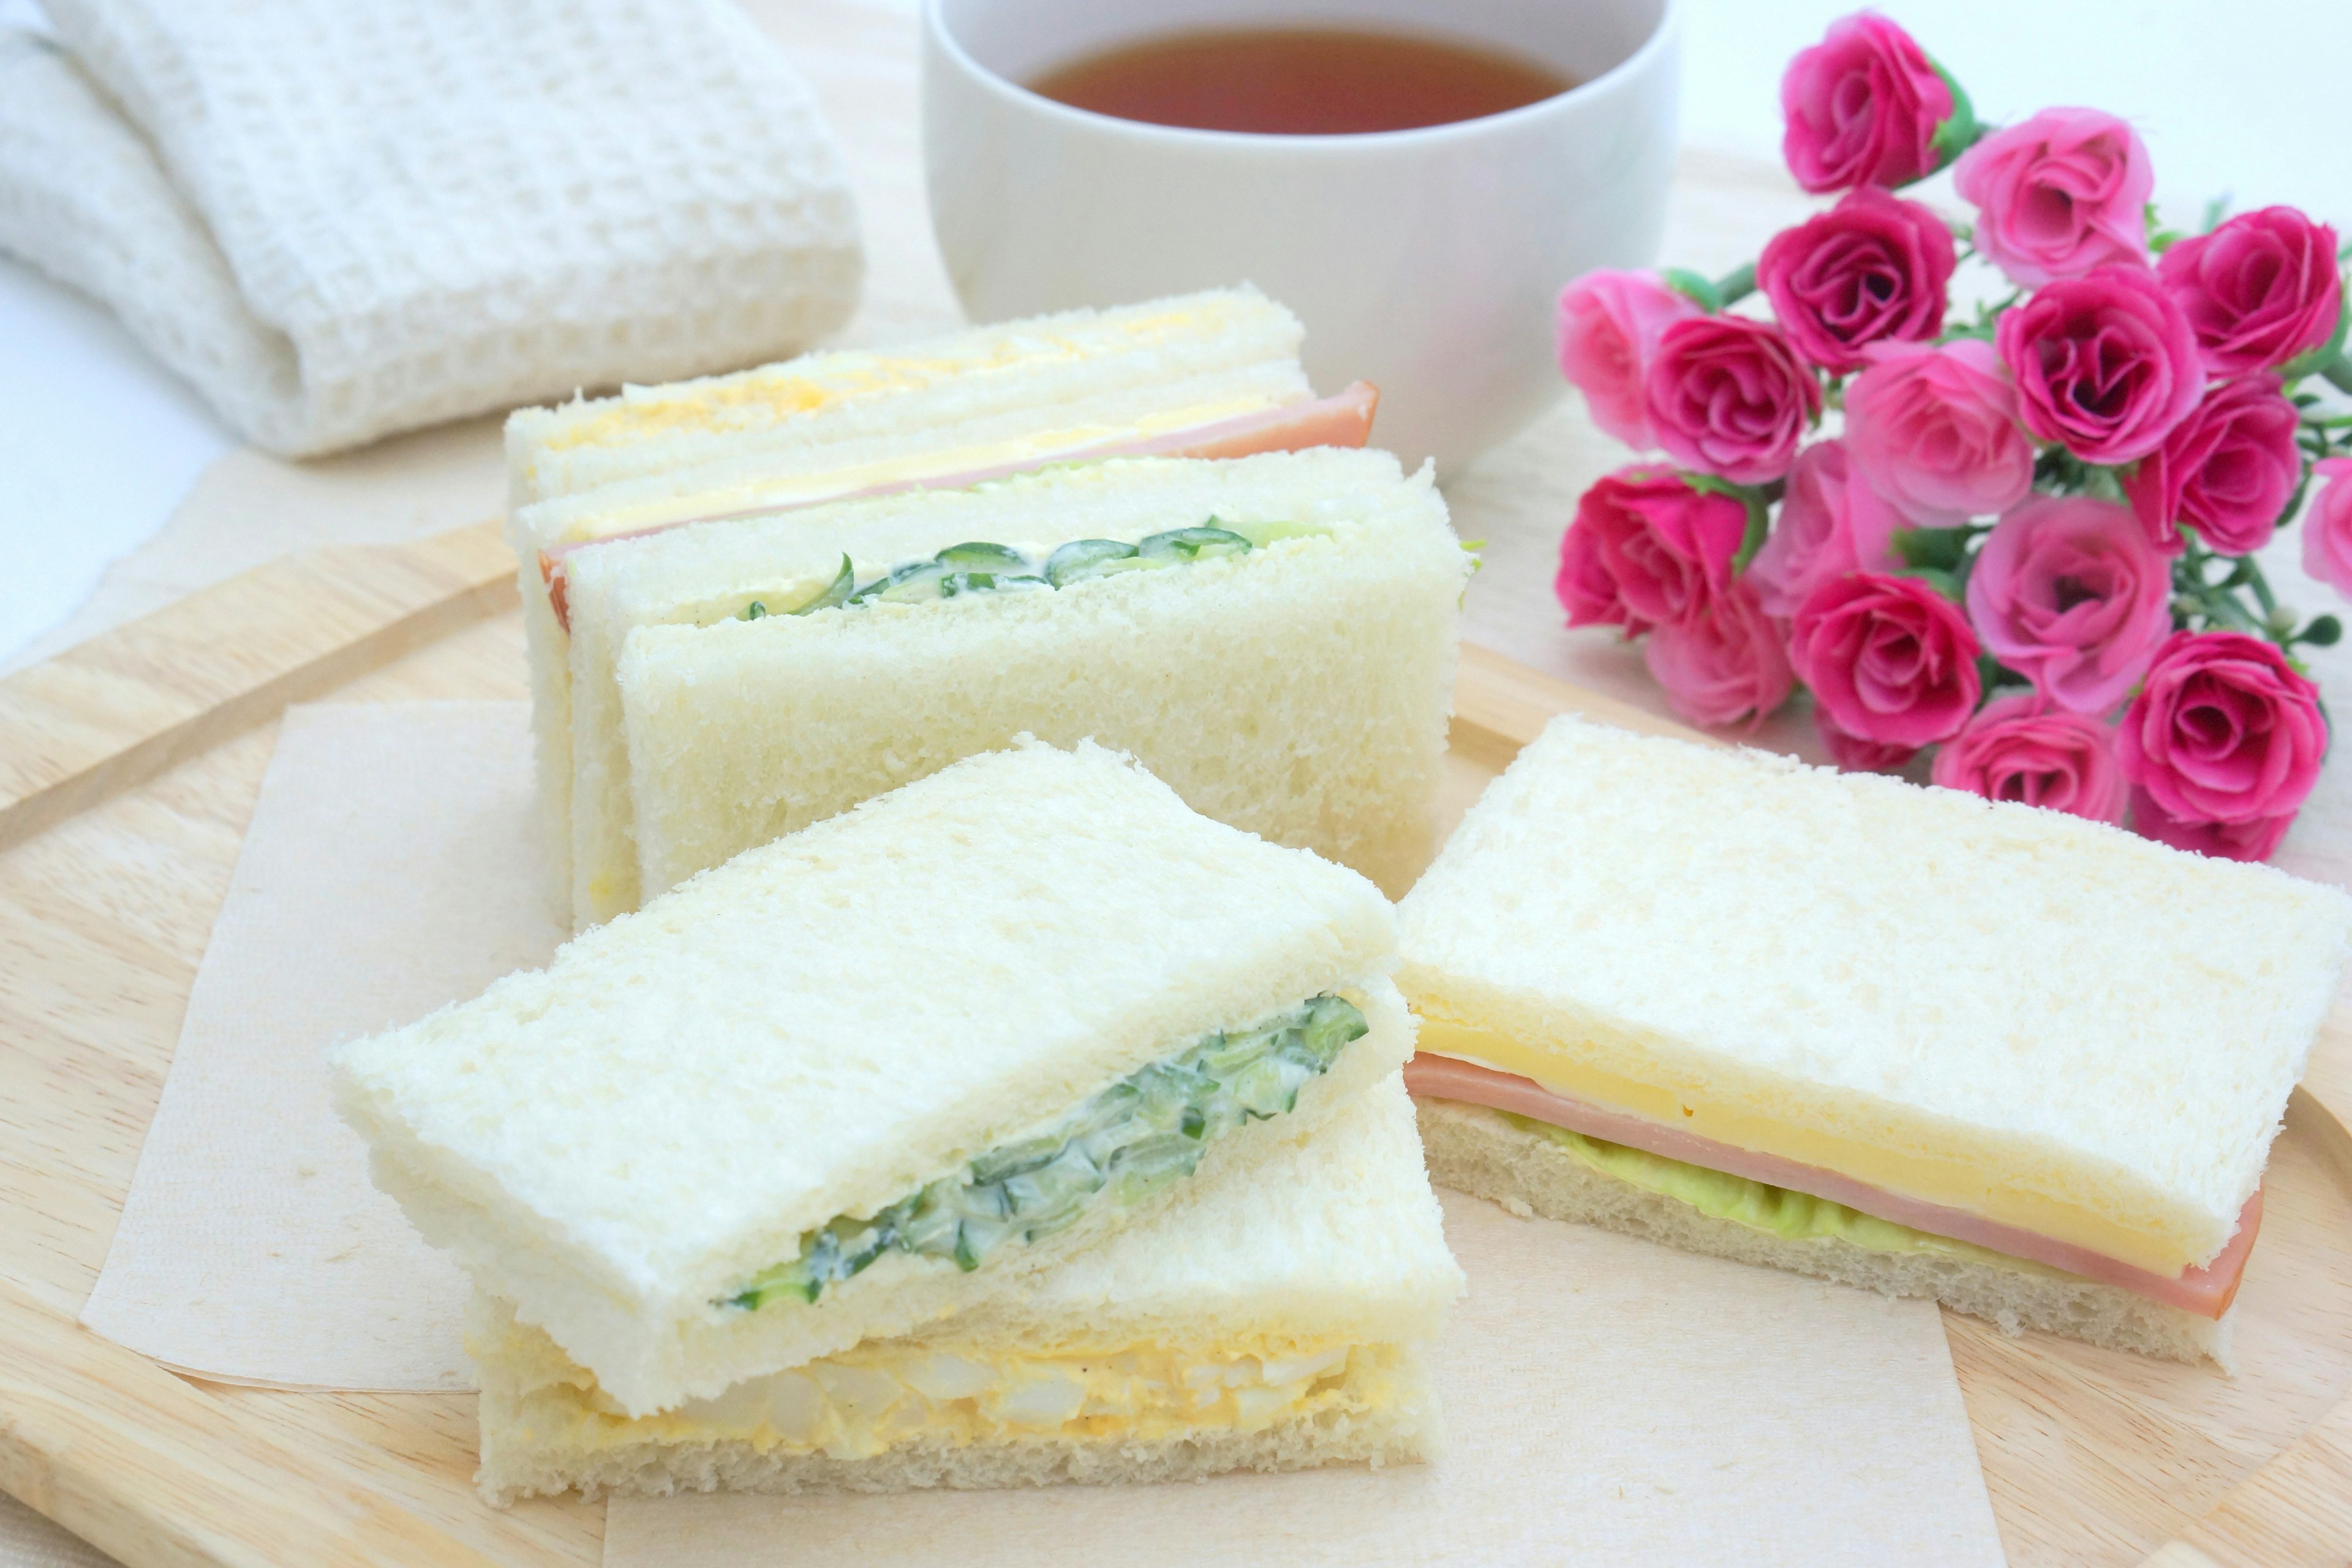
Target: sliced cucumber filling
980, 567
1143, 1132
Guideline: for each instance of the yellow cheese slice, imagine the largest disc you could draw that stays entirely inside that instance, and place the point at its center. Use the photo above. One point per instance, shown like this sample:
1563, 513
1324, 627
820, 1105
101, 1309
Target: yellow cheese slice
1958, 1179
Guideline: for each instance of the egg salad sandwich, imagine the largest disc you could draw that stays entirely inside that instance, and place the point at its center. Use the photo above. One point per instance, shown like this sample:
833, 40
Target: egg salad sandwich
1272, 1319
1214, 374
2027, 1065
1273, 636
880, 1070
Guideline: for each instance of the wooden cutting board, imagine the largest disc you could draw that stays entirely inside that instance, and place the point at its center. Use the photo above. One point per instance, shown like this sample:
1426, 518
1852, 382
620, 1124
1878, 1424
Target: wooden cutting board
128, 767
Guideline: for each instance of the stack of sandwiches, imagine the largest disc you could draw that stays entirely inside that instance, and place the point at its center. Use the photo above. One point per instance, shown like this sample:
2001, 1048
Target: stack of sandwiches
756, 600
2024, 1064
936, 1097
1020, 1124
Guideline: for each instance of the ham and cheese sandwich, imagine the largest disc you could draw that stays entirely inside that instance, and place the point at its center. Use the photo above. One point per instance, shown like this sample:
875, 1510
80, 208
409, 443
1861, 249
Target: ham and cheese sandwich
1267, 1321
1273, 636
2028, 1064
1214, 374
890, 1068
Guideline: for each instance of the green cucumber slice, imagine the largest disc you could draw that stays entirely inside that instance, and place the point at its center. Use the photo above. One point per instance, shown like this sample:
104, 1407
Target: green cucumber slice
1082, 558
833, 592
981, 557
1207, 541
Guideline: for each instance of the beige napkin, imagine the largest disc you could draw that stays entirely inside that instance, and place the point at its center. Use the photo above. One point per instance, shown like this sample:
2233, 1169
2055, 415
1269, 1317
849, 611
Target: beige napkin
1606, 1402
391, 865
1604, 1398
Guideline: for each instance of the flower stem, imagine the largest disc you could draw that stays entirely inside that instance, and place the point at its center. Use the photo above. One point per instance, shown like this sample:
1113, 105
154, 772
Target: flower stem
1737, 284
2337, 374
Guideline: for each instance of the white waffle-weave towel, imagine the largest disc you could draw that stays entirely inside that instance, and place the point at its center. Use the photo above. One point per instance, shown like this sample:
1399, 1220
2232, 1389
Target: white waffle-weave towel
342, 220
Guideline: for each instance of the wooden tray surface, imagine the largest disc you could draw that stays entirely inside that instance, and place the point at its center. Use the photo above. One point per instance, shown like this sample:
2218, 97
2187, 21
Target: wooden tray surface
129, 766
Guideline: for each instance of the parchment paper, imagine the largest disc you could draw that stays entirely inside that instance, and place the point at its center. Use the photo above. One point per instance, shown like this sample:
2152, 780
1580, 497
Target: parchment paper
393, 865
1607, 1402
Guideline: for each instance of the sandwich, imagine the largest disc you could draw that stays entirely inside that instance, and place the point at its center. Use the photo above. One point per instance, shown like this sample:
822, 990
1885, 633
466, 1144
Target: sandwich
1214, 374
2027, 1065
1273, 636
1267, 1322
880, 1070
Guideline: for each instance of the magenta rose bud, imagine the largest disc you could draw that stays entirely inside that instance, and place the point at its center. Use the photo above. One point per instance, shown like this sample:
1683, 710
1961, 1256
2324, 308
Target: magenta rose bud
2251, 840
2224, 734
2327, 526
2260, 290
1861, 108
2227, 470
1724, 664
1934, 431
2059, 197
1647, 550
1856, 755
1609, 323
1871, 269
2021, 748
2068, 592
1889, 660
2105, 366
1727, 395
1831, 523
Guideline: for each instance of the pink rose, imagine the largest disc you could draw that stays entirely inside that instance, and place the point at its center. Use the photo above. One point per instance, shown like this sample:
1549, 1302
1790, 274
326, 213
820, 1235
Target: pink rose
1872, 267
2251, 840
2223, 734
1861, 108
2069, 592
2260, 290
1934, 431
1831, 523
1889, 660
1647, 550
1727, 395
2059, 197
1856, 755
1609, 324
2228, 469
1723, 664
2021, 748
2327, 526
2105, 365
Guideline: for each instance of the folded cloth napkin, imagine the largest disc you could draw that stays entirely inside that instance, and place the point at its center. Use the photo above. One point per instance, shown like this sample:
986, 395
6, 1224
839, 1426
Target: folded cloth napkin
340, 221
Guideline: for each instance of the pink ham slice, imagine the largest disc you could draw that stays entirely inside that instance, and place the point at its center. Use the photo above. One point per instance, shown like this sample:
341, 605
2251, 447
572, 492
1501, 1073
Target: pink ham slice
1345, 420
2205, 1292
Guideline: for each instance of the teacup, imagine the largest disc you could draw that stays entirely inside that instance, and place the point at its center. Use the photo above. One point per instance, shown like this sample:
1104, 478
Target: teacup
1426, 261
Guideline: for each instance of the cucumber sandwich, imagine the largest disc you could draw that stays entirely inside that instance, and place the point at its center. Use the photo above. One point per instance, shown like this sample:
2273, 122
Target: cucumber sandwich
1263, 1319
894, 1065
1214, 374
1273, 636
2027, 1065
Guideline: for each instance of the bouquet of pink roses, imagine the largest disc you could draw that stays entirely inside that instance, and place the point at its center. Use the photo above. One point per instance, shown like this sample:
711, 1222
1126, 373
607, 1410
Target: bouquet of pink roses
2032, 547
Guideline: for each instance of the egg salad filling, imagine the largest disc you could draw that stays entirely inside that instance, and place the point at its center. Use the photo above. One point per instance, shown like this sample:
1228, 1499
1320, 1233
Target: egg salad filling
865, 1402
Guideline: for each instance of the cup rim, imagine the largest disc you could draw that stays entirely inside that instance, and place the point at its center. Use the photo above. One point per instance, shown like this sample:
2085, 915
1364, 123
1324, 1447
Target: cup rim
1660, 38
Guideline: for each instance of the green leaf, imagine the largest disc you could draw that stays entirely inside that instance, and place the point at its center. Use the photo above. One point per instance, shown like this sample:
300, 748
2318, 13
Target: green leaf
2327, 353
2215, 211
1933, 548
1957, 134
1945, 583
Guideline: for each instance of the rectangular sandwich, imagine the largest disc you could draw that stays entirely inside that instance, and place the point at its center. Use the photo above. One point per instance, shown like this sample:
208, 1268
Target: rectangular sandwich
878, 1070
1268, 1320
1273, 636
2025, 1064
1214, 374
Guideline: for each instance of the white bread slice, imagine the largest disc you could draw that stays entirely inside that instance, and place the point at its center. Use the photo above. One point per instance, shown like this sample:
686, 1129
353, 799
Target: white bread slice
2068, 1024
1300, 691
1335, 1246
821, 1028
1476, 1151
846, 420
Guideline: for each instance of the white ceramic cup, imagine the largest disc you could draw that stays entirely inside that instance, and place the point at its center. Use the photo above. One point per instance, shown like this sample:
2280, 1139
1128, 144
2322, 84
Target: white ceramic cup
1426, 261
